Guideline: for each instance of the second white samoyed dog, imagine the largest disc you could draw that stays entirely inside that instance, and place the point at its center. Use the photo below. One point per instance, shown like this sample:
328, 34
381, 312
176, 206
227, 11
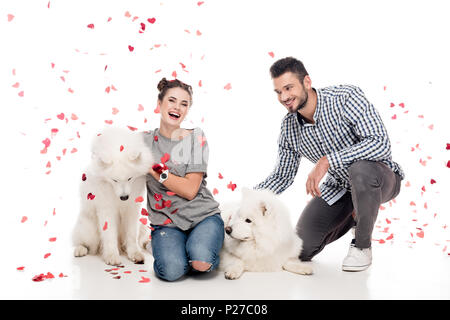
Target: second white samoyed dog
110, 203
259, 236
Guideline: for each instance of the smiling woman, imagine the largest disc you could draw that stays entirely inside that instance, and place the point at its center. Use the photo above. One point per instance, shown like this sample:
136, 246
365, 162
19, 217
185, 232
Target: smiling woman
187, 228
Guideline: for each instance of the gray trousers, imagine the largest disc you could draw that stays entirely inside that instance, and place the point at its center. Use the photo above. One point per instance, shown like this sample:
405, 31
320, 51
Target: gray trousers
372, 183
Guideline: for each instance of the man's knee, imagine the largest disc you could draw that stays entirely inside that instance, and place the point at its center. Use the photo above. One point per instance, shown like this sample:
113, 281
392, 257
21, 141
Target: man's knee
363, 173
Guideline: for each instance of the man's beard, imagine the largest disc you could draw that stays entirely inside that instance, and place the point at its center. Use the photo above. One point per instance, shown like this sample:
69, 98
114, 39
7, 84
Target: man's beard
300, 105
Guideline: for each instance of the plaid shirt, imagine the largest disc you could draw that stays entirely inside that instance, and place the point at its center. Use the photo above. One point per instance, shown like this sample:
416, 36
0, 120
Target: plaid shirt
346, 128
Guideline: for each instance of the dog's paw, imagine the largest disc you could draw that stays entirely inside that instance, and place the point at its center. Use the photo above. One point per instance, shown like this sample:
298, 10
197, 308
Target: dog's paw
305, 269
112, 259
137, 257
80, 251
233, 274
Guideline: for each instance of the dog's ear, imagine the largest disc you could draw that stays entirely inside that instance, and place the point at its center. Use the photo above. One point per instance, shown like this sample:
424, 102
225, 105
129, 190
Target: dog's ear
135, 156
101, 160
264, 208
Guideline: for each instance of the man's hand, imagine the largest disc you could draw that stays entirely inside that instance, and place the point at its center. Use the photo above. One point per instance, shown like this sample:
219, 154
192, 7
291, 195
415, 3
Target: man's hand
314, 177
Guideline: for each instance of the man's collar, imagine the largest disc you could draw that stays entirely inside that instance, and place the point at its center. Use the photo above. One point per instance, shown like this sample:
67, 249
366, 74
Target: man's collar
302, 120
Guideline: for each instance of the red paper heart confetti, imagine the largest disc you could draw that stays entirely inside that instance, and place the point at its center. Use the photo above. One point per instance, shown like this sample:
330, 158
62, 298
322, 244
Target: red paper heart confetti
271, 54
432, 181
10, 17
83, 177
121, 148
105, 226
90, 26
20, 268
143, 221
165, 158
52, 239
167, 221
201, 140
157, 196
144, 212
227, 86
131, 48
420, 234
391, 236
90, 196
47, 255
170, 193
144, 280
155, 138
60, 116
215, 191
152, 20
174, 211
167, 204
24, 218
220, 176
231, 186
139, 199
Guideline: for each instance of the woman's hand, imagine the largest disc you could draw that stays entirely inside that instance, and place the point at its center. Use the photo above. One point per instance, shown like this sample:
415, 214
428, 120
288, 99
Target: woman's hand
186, 187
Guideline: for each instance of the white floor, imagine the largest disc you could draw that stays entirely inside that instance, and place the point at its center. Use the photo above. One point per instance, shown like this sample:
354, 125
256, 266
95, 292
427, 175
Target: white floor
397, 273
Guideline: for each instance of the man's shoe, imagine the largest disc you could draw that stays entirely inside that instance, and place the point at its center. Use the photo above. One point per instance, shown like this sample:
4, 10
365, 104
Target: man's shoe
357, 259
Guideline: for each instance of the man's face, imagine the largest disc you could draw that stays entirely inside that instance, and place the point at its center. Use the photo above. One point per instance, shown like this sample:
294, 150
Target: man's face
290, 91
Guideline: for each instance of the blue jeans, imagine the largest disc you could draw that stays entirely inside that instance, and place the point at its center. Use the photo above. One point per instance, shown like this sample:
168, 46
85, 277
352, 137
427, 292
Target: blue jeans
174, 249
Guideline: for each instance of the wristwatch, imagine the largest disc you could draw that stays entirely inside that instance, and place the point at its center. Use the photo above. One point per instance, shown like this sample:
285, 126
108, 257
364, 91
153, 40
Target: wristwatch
163, 176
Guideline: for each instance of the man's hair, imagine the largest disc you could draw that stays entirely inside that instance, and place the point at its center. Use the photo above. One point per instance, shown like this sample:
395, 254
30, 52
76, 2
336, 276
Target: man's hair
288, 64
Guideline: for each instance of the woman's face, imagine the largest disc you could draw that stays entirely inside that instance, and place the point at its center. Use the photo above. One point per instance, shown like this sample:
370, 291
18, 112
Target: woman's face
174, 106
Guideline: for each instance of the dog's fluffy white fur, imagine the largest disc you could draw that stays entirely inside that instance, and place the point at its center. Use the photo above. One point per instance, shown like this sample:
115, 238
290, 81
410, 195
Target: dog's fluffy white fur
108, 220
259, 236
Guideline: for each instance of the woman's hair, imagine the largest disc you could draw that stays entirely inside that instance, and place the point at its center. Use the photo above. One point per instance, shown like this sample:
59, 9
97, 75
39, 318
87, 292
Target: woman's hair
165, 85
288, 64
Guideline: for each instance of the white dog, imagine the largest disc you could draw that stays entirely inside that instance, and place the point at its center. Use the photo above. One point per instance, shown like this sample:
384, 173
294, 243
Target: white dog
110, 203
259, 236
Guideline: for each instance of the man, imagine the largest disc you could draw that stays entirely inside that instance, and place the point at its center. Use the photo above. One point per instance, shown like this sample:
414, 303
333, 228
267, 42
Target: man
340, 131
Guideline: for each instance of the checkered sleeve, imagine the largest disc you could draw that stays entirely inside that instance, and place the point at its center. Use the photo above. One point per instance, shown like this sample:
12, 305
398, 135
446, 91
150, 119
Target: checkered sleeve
287, 164
373, 142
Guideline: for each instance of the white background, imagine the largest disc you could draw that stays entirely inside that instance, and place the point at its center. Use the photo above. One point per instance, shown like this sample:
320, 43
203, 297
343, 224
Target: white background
396, 51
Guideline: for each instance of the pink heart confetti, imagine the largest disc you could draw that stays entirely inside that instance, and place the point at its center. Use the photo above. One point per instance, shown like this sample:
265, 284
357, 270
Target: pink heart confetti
90, 196
170, 193
271, 54
227, 86
144, 280
152, 20
105, 226
143, 221
131, 48
24, 219
231, 186
144, 212
90, 26
139, 199
215, 191
121, 148
47, 255
10, 17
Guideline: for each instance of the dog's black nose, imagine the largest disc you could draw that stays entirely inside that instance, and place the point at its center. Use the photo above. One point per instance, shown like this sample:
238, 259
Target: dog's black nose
228, 230
124, 198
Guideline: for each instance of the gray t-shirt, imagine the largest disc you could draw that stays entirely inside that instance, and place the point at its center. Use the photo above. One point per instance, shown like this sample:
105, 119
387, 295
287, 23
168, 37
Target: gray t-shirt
181, 156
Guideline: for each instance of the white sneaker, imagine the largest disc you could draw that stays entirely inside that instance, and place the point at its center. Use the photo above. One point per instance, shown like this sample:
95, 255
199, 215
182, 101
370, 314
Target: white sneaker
357, 259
